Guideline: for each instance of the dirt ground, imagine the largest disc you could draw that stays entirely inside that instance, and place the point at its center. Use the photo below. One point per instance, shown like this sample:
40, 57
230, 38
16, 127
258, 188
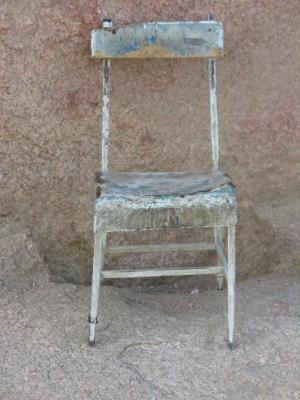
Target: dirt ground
154, 344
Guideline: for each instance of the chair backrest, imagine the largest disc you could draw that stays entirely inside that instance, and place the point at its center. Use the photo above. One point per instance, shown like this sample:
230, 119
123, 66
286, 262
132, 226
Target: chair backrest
188, 39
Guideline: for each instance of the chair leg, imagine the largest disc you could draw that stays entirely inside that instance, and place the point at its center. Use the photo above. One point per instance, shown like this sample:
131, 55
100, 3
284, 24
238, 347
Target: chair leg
99, 253
220, 281
231, 284
219, 241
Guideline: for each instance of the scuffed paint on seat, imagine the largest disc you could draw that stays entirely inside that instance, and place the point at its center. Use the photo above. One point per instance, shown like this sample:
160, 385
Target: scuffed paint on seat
123, 212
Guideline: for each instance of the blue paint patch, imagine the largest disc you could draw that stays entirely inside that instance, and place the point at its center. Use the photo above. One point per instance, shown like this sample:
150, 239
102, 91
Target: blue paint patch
227, 189
153, 39
113, 197
218, 192
130, 47
127, 49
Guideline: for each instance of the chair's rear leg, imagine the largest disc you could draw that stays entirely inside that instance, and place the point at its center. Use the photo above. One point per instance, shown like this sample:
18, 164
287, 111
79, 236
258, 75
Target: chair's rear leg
99, 253
220, 281
231, 283
219, 241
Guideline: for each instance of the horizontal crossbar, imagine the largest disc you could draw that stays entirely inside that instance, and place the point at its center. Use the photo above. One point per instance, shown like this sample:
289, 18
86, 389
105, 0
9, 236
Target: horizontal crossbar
161, 248
149, 273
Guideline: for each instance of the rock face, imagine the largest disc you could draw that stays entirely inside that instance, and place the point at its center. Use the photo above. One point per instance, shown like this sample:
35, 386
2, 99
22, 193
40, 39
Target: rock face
19, 254
50, 120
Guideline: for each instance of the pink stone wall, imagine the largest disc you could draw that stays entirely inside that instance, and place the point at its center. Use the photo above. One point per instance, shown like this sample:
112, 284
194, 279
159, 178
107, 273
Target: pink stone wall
51, 112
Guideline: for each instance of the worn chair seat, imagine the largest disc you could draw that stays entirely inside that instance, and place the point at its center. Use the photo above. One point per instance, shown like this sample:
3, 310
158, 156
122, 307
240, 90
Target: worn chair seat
131, 200
160, 183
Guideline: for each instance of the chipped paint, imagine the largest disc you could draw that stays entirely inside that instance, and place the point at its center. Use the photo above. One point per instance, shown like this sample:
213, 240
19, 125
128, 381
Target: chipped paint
188, 39
125, 213
160, 183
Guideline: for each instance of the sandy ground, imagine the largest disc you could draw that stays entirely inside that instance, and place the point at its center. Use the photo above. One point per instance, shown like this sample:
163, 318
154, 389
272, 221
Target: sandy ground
151, 345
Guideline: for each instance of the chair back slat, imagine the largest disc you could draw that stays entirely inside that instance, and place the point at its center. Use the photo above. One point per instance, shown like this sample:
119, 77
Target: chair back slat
187, 39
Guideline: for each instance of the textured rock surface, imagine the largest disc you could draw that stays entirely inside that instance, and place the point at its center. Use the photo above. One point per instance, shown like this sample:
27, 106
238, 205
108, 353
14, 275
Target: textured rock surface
18, 253
151, 345
50, 119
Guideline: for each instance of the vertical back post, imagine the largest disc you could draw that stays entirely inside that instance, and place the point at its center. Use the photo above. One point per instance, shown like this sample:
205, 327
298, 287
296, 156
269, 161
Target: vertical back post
214, 131
107, 23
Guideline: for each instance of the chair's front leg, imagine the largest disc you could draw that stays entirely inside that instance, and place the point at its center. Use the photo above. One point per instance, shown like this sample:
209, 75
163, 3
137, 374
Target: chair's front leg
231, 283
99, 253
219, 242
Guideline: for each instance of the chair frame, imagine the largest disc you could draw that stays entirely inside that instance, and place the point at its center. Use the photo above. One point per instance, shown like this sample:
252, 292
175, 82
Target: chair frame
226, 266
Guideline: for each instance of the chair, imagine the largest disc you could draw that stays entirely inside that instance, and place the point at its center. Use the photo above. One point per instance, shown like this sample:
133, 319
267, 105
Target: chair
129, 201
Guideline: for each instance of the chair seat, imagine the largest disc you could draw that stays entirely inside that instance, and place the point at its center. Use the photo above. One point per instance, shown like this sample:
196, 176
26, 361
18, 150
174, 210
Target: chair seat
132, 201
160, 183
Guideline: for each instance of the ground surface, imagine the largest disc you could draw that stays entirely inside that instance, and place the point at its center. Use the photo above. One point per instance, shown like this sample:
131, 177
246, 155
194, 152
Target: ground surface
151, 345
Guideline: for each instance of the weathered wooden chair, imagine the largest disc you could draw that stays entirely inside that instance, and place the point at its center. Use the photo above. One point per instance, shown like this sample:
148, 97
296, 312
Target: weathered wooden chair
131, 201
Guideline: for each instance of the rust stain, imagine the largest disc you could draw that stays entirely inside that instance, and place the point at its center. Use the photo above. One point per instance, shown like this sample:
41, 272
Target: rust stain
157, 51
217, 52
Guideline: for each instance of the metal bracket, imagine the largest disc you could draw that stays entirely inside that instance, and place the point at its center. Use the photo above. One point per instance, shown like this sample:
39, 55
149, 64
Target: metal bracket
92, 320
